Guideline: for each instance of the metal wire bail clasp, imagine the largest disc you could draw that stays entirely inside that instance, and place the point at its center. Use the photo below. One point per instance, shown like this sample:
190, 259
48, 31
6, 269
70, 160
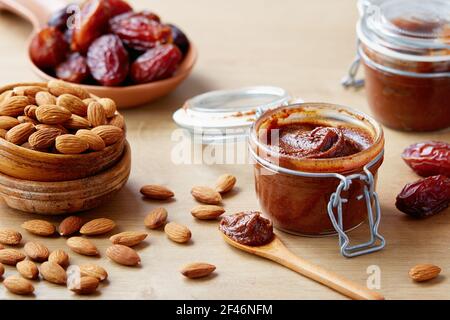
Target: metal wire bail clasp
376, 242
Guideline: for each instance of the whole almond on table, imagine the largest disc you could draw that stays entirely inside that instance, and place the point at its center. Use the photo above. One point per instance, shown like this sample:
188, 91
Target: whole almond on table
53, 273
123, 255
70, 144
77, 122
128, 238
70, 225
82, 246
36, 251
109, 106
95, 142
43, 139
52, 114
84, 285
206, 195
20, 133
109, 134
7, 122
225, 183
118, 121
197, 270
93, 270
156, 218
207, 212
59, 257
177, 232
59, 87
11, 257
97, 227
96, 114
10, 237
28, 269
39, 227
72, 103
30, 111
2, 270
156, 192
14, 106
424, 272
18, 285
44, 97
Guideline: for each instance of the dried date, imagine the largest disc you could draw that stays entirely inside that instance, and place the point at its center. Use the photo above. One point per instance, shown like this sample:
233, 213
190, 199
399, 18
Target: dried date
74, 69
425, 197
108, 60
59, 18
428, 158
118, 7
48, 48
156, 64
180, 39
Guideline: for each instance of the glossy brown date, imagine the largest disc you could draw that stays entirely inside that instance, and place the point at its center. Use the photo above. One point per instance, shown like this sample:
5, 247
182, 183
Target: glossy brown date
428, 158
48, 48
74, 69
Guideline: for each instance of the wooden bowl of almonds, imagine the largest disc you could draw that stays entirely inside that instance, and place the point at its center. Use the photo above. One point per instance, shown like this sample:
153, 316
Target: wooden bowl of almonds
56, 131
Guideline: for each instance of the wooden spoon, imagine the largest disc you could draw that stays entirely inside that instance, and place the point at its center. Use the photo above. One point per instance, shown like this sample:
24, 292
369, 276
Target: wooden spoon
277, 251
38, 13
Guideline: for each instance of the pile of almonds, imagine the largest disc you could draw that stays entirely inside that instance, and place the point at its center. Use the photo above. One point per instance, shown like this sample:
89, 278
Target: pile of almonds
59, 118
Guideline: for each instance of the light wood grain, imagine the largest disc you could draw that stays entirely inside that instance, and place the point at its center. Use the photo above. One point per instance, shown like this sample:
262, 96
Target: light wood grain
303, 46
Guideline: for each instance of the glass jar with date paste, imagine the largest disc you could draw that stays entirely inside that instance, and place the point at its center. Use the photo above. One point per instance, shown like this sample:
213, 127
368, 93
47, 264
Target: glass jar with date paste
315, 168
404, 46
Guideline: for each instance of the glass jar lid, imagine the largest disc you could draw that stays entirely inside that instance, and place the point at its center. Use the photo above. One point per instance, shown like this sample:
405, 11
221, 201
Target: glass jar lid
407, 29
221, 115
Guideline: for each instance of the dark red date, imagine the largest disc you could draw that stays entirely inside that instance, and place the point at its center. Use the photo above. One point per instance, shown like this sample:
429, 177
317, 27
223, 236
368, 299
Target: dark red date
118, 7
108, 60
425, 197
428, 158
180, 39
48, 48
74, 69
156, 64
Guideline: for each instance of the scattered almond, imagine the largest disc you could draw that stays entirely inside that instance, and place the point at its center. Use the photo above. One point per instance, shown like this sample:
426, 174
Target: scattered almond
72, 103
123, 255
28, 269
53, 273
45, 98
43, 139
128, 238
7, 122
52, 114
423, 272
76, 122
93, 270
82, 246
36, 251
109, 106
97, 227
20, 133
10, 237
156, 218
207, 212
18, 285
84, 285
95, 142
11, 257
177, 232
59, 87
96, 114
156, 192
109, 134
70, 144
197, 270
206, 195
225, 183
70, 225
39, 227
14, 106
59, 257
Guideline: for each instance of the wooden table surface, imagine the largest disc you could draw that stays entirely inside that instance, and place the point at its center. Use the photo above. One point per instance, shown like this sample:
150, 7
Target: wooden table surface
303, 46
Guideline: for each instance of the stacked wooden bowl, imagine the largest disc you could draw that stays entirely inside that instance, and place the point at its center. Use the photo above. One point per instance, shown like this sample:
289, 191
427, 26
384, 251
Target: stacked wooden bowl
53, 183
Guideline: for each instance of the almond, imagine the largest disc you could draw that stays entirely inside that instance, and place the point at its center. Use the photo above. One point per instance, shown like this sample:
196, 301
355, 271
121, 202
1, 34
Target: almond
82, 246
44, 97
123, 255
20, 133
206, 195
93, 270
59, 257
84, 285
39, 227
6, 95
23, 119
225, 183
197, 270
3, 133
59, 87
53, 273
2, 270
96, 114
95, 142
207, 212
177, 232
117, 121
7, 122
423, 272
30, 111
97, 227
76, 122
109, 134
28, 90
89, 100
10, 237
156, 192
11, 256
18, 285
28, 269
36, 251
14, 106
128, 238
70, 144
72, 103
70, 225
42, 126
156, 218
52, 114
109, 106
43, 139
